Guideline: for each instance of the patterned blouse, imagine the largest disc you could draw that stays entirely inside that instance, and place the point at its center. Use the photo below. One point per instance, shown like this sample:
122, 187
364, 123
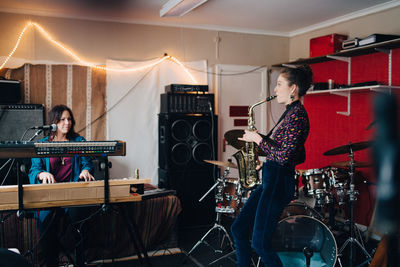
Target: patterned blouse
287, 144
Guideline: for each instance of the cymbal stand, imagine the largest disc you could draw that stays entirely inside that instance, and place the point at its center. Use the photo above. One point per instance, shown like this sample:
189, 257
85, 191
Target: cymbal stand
217, 226
352, 197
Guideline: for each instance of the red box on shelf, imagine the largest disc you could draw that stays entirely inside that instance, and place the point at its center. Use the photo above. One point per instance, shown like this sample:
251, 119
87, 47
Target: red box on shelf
325, 45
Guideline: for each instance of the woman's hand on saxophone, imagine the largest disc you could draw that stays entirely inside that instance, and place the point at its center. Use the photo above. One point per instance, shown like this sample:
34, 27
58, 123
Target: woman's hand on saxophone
251, 136
259, 165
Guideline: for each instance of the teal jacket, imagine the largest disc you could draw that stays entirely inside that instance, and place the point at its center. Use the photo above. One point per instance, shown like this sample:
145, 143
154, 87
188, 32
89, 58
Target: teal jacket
39, 165
43, 164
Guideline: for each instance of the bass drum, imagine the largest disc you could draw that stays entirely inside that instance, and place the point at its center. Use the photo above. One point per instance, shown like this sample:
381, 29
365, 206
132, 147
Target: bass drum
296, 234
299, 208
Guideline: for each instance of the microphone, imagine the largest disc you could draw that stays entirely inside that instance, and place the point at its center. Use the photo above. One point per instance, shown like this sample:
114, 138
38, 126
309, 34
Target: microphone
52, 127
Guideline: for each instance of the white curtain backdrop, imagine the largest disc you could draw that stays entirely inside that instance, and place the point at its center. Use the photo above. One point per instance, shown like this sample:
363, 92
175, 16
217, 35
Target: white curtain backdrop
133, 102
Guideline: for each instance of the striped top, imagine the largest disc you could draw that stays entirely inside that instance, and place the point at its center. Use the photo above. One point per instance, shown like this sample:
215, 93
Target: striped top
287, 144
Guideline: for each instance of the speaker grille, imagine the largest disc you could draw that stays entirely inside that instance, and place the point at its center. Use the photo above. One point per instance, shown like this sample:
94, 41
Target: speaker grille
15, 119
185, 141
181, 154
180, 130
202, 130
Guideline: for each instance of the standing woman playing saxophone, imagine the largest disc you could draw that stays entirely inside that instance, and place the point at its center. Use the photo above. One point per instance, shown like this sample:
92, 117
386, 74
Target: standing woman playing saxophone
285, 150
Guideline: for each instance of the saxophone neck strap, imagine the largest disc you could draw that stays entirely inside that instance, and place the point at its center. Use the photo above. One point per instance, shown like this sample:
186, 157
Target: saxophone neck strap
279, 121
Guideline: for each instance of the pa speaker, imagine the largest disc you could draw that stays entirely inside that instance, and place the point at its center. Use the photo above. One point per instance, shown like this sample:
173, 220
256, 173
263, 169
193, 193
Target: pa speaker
191, 186
186, 140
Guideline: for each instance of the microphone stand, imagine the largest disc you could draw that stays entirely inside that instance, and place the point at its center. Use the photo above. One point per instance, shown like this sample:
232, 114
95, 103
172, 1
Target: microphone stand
22, 168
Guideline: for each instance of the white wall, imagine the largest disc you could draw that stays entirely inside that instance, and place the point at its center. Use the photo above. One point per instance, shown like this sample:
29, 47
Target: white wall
98, 41
385, 22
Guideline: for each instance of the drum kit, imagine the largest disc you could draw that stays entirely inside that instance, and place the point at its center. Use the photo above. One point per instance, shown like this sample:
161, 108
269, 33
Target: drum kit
303, 229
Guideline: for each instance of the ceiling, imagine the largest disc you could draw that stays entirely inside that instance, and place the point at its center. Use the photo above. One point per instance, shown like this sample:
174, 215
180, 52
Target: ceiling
272, 17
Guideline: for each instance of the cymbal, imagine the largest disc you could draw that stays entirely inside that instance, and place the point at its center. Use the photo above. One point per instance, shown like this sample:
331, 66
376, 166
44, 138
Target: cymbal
346, 164
222, 163
346, 148
232, 138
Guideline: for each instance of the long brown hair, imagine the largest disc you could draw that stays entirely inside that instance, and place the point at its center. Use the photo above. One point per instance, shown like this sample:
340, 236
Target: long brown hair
55, 116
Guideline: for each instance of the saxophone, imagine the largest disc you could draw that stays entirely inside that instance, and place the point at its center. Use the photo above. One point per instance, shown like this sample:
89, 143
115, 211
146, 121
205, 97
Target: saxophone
247, 157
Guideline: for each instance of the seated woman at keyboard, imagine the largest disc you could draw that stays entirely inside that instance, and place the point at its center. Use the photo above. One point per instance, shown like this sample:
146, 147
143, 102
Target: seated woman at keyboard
61, 169
58, 170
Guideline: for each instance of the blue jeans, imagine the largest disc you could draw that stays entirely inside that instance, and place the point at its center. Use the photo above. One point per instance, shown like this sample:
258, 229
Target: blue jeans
261, 213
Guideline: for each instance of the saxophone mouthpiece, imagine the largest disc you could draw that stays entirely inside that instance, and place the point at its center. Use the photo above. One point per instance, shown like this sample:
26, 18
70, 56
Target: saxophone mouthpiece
270, 98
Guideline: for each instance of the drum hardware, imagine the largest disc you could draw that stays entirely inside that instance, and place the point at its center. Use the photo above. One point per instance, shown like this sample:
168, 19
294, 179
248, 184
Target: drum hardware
308, 253
296, 185
341, 193
220, 184
351, 193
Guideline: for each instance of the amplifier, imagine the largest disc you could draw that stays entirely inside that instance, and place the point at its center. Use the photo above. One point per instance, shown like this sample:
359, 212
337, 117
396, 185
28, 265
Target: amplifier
10, 92
15, 119
186, 103
172, 88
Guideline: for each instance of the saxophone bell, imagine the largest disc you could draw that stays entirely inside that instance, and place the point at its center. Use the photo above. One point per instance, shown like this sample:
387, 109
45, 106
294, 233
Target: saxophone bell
247, 158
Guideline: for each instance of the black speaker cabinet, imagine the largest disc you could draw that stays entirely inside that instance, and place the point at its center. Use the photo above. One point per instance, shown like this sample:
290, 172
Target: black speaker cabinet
10, 92
190, 186
186, 140
16, 118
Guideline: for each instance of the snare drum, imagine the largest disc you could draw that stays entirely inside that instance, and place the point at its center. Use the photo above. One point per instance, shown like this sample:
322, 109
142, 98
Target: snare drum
230, 199
295, 233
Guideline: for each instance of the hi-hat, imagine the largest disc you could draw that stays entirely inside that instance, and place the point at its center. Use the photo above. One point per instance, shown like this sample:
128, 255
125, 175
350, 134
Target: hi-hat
222, 163
232, 138
346, 164
346, 149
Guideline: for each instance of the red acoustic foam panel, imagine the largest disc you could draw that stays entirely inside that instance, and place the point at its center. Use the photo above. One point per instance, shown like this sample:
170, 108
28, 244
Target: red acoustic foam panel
238, 111
240, 122
372, 67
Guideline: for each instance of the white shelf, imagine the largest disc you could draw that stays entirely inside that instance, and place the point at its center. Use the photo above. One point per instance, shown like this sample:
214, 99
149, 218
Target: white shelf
346, 92
378, 88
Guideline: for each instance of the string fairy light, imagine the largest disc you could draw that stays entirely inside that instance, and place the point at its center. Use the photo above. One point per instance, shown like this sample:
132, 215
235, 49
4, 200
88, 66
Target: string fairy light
16, 45
183, 66
85, 63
